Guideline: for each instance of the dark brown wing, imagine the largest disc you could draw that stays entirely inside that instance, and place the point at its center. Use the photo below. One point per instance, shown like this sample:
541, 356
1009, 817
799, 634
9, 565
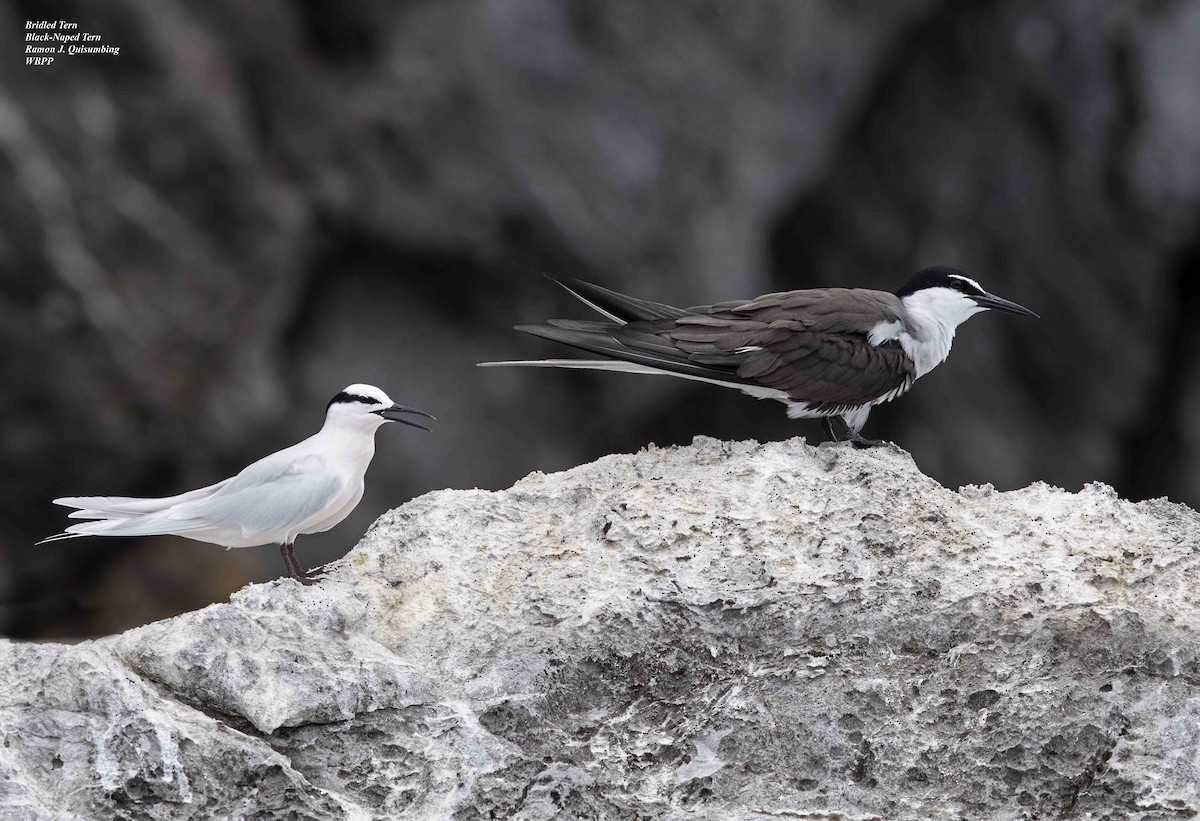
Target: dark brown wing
811, 345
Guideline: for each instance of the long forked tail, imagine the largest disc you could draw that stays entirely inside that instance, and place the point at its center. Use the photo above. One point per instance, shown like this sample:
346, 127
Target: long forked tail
147, 524
87, 529
757, 391
617, 307
631, 342
105, 509
83, 529
58, 537
125, 515
124, 507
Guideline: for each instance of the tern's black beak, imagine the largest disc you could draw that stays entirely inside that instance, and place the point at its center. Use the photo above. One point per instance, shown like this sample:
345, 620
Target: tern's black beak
998, 303
392, 414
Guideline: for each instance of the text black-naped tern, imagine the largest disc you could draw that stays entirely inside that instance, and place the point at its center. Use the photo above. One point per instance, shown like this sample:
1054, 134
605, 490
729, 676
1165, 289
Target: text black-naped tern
306, 488
829, 353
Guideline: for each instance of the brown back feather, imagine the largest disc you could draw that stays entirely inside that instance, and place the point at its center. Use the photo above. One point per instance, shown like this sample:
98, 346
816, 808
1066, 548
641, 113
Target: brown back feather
814, 344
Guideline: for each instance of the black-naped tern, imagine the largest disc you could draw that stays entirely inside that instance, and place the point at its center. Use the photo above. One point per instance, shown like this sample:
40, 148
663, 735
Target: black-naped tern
306, 488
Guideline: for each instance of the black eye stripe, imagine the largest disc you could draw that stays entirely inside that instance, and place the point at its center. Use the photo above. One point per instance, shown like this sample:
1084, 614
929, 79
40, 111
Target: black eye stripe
351, 397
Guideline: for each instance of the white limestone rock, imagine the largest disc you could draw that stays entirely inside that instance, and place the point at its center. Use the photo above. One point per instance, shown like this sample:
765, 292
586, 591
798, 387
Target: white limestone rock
727, 630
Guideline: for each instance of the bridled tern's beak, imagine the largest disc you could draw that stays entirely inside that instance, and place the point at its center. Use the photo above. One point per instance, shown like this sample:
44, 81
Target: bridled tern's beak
392, 415
998, 303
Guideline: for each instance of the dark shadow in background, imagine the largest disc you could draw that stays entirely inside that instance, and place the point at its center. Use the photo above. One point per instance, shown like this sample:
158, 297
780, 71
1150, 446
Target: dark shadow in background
1157, 465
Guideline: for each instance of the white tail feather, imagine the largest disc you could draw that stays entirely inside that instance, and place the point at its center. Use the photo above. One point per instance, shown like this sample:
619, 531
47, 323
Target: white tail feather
128, 515
59, 537
153, 524
124, 507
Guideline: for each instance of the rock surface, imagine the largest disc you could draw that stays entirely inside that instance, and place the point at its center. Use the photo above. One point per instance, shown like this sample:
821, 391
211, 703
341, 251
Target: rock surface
726, 630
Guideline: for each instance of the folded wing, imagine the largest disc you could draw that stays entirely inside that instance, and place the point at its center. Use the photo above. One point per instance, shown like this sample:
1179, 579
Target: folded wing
265, 498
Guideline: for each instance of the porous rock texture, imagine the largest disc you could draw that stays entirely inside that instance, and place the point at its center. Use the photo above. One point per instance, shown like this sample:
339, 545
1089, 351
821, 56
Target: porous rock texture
725, 630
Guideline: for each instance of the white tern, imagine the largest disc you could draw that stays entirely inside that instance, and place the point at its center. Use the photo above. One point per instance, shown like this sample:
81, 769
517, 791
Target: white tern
306, 488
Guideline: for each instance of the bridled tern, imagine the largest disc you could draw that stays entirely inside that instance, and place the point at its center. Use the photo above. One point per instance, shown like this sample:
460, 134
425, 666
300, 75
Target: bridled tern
828, 353
306, 488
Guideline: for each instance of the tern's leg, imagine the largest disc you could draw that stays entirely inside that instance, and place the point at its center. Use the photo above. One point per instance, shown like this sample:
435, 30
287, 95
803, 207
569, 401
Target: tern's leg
827, 423
312, 573
289, 560
849, 434
294, 569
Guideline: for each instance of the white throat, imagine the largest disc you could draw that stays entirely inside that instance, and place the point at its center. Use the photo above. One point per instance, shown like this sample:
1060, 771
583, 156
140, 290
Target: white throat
349, 441
928, 332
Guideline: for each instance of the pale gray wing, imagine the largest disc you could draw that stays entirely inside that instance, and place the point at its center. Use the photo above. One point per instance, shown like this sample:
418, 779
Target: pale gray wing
274, 494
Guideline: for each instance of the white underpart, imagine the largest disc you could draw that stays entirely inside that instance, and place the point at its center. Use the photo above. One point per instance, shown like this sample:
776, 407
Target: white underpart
885, 332
933, 316
856, 418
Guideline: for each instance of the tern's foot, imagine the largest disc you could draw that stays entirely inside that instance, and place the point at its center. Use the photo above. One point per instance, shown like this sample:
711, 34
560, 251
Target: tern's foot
310, 576
839, 431
295, 571
860, 441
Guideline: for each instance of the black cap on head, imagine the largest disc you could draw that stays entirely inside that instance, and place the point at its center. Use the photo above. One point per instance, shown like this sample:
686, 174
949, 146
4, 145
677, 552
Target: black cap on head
941, 276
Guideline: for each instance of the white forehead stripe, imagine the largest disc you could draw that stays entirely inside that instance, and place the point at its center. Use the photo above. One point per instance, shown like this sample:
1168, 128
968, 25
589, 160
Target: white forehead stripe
966, 279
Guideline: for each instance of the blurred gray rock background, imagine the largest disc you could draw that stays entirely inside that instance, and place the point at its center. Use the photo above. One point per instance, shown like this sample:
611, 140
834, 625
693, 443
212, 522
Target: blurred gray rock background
204, 238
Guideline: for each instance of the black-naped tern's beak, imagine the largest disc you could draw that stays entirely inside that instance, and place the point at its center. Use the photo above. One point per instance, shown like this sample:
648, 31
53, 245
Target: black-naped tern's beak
392, 414
999, 303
